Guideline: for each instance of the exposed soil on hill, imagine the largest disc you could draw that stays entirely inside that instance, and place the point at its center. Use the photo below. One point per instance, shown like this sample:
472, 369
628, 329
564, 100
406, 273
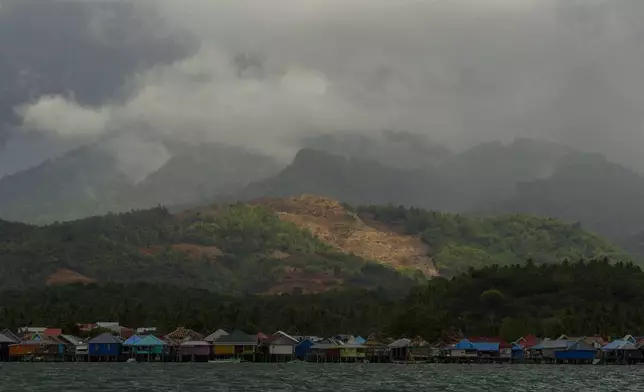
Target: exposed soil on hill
328, 220
65, 276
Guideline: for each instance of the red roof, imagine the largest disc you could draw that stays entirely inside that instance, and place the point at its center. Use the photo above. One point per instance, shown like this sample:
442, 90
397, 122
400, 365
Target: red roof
53, 332
87, 327
528, 341
261, 336
127, 332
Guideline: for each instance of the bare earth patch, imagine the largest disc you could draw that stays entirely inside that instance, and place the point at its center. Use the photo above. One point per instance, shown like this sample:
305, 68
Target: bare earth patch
65, 276
329, 221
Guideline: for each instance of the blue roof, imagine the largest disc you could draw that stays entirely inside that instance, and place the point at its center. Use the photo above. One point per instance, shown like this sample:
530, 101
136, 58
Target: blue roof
486, 346
133, 340
360, 340
464, 345
619, 345
150, 340
553, 344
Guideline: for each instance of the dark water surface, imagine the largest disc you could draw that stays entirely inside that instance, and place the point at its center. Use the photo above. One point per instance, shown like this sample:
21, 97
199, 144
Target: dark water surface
83, 377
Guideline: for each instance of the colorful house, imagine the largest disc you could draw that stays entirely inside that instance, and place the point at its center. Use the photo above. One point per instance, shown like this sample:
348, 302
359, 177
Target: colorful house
419, 349
195, 351
150, 348
281, 347
303, 349
564, 351
43, 350
128, 345
526, 343
464, 350
621, 351
237, 344
378, 347
182, 334
105, 347
577, 352
76, 348
352, 352
547, 348
399, 349
325, 350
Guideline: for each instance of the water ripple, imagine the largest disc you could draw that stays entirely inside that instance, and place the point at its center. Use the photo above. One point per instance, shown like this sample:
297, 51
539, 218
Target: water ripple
118, 377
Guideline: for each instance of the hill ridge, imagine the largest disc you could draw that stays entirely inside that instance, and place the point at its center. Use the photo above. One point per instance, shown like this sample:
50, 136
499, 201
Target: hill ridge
303, 244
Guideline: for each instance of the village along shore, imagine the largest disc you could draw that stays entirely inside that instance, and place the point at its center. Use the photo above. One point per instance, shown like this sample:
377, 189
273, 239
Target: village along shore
121, 344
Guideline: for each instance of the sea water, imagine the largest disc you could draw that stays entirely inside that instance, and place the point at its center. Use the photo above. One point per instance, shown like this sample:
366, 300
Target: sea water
176, 377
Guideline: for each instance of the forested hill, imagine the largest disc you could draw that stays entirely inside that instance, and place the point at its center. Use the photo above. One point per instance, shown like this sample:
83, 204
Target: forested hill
459, 242
577, 299
304, 244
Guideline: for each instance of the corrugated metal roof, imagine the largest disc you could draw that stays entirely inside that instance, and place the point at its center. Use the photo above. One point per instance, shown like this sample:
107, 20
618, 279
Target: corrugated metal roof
36, 343
237, 337
619, 345
6, 339
215, 335
286, 336
11, 335
72, 339
552, 344
105, 338
400, 343
283, 341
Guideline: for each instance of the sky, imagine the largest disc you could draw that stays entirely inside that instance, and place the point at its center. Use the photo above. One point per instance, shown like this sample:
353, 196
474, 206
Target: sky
264, 74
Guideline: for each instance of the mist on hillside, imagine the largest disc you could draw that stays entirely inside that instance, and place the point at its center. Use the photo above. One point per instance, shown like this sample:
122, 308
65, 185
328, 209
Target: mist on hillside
271, 75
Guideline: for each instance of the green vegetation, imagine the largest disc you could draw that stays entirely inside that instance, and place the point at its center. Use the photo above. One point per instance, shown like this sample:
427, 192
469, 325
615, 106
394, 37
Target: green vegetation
459, 242
245, 249
251, 229
168, 307
577, 299
236, 249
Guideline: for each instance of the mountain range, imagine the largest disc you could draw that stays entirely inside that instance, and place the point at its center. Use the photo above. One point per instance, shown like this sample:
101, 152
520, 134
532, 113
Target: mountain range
525, 176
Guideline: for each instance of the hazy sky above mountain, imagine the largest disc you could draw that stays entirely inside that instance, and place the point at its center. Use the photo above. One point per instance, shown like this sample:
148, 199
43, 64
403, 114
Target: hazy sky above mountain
263, 73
